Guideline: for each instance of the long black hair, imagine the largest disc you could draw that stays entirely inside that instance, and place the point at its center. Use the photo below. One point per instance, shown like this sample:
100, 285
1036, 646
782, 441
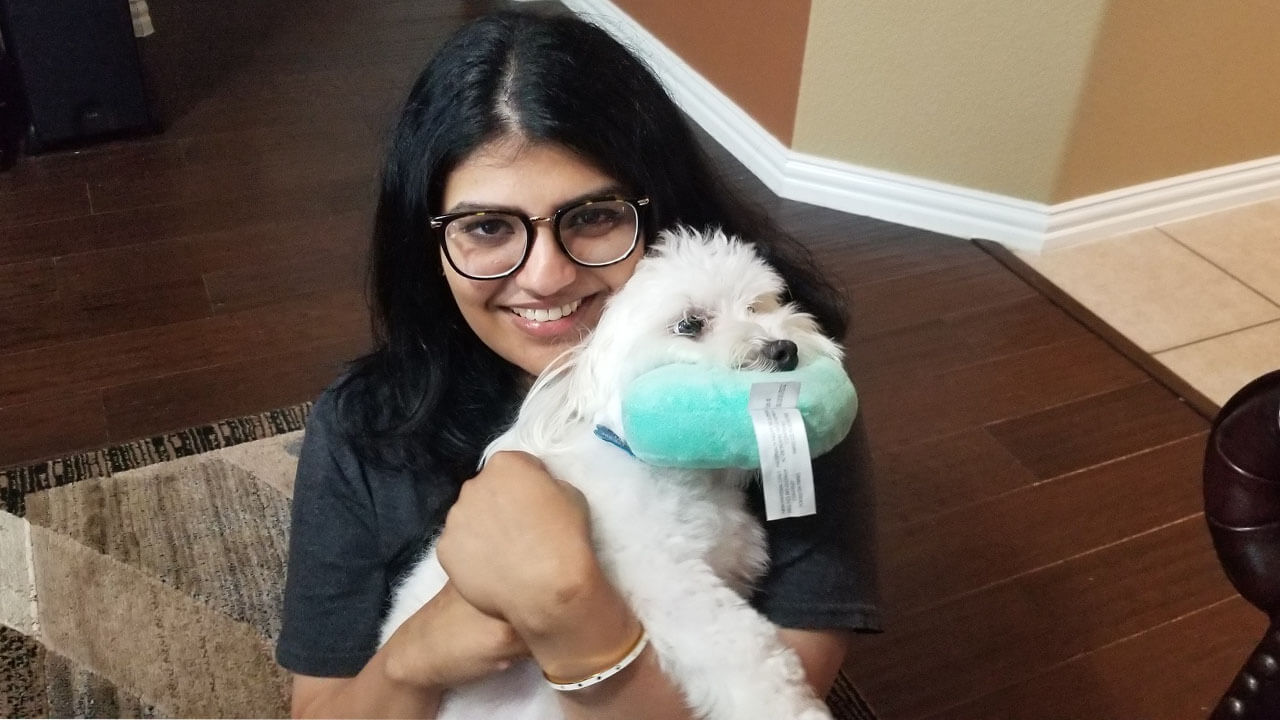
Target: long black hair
431, 395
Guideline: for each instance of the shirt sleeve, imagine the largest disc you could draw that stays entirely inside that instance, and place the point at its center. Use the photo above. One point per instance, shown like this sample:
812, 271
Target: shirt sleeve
822, 568
336, 579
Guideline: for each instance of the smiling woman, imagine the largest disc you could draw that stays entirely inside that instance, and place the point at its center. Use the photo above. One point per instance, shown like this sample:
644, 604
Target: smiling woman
532, 316
534, 161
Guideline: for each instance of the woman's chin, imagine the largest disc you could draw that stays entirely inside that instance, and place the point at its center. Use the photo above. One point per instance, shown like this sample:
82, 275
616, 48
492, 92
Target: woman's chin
544, 342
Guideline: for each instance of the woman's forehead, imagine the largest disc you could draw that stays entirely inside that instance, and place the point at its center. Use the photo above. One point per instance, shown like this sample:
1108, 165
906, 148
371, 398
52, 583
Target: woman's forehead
535, 177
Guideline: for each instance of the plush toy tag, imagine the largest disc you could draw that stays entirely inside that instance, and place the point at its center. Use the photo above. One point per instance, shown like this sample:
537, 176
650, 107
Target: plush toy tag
786, 472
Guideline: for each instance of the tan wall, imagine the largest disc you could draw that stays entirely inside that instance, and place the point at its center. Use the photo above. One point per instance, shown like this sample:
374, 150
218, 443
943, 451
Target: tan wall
1175, 86
1043, 100
751, 50
976, 93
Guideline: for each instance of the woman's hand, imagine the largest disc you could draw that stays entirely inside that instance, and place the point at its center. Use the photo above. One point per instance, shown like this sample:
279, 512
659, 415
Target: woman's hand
448, 642
517, 542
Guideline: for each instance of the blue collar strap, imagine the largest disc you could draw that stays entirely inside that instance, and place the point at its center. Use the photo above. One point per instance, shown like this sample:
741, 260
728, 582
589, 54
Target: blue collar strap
613, 439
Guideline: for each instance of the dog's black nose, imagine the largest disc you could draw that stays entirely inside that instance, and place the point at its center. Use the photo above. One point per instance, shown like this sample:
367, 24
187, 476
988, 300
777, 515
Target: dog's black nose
782, 353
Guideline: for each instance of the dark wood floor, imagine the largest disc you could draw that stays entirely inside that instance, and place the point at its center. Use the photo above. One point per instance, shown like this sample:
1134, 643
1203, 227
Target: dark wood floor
1043, 546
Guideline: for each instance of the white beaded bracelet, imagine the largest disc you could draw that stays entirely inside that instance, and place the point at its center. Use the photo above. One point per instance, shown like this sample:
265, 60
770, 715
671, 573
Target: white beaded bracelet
607, 673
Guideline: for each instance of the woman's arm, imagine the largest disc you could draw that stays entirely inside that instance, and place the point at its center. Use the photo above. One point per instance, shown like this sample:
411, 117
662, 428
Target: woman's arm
517, 544
822, 653
446, 643
515, 527
643, 684
370, 694
593, 630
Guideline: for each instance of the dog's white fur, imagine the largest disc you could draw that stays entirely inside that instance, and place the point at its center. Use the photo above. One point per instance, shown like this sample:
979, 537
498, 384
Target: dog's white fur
679, 544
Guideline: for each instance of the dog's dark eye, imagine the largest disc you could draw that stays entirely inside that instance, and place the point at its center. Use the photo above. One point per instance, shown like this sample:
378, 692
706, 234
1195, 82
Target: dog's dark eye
690, 326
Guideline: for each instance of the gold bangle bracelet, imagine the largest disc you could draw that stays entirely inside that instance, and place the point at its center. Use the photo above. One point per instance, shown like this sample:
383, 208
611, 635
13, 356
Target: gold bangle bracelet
636, 648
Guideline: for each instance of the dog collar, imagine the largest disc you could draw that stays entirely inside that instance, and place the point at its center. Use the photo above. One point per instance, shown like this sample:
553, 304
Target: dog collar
613, 439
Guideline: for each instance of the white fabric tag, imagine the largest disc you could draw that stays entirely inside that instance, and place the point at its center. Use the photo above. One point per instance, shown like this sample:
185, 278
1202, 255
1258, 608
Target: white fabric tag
786, 471
141, 15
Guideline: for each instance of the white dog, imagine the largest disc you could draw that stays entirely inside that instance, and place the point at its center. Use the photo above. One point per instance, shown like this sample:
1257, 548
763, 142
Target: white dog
678, 544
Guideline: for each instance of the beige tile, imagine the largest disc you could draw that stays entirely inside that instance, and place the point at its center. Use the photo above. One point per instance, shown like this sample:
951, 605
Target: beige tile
1244, 241
1153, 290
1220, 366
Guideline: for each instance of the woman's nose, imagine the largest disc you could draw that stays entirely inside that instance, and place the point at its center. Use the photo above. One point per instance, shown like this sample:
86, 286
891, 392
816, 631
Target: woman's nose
548, 270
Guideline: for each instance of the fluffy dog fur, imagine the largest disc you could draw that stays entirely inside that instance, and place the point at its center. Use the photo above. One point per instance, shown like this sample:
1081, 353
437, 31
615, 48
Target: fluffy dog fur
679, 544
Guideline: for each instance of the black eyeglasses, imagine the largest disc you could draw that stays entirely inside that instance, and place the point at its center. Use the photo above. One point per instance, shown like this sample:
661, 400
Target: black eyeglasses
492, 244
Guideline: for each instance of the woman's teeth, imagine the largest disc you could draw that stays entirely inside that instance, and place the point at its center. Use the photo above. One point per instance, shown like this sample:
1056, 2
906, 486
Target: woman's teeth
547, 314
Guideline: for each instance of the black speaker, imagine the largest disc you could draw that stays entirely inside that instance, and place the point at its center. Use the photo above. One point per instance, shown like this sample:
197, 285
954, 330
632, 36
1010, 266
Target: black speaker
78, 69
12, 121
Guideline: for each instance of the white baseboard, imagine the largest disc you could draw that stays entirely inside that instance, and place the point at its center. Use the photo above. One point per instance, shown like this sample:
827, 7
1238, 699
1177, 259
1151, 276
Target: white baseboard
1162, 201
928, 204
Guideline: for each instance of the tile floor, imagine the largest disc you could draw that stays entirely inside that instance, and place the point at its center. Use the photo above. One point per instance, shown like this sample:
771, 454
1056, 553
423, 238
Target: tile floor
1201, 295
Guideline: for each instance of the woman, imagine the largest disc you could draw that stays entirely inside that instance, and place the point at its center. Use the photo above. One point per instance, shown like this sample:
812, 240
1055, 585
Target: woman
536, 117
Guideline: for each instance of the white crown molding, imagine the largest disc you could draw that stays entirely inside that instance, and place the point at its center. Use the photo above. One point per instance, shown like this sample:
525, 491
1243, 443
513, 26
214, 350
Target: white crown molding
929, 204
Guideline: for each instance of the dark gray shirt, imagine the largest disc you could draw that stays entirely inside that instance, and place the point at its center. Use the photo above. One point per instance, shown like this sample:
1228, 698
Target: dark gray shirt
355, 529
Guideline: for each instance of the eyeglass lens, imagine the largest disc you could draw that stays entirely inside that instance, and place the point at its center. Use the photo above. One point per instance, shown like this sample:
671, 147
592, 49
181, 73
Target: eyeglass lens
491, 244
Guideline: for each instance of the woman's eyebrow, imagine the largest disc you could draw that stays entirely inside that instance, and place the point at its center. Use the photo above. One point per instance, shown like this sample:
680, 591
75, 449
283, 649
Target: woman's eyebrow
470, 206
474, 206
612, 189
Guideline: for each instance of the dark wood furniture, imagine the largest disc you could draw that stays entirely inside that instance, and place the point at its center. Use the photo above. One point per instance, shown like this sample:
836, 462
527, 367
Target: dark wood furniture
1242, 507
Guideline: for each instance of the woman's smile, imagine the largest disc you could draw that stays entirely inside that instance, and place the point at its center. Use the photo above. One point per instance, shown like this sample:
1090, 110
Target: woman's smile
570, 321
547, 314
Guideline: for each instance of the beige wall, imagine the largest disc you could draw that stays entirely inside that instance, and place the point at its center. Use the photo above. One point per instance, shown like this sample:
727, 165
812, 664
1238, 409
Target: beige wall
976, 93
751, 50
1174, 87
1043, 100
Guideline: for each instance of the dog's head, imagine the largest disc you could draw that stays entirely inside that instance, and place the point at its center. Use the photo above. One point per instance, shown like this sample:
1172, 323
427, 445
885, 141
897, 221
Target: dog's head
700, 298
695, 298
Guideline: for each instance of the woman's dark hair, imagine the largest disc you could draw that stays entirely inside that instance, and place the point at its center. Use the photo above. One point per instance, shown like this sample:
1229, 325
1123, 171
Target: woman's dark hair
431, 395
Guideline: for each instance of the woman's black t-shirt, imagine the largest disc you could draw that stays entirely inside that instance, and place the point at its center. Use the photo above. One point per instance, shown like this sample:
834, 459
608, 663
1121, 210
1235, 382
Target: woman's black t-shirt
354, 529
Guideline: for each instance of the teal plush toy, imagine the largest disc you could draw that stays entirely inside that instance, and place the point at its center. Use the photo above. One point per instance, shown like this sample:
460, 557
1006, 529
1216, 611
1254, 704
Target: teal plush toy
691, 416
